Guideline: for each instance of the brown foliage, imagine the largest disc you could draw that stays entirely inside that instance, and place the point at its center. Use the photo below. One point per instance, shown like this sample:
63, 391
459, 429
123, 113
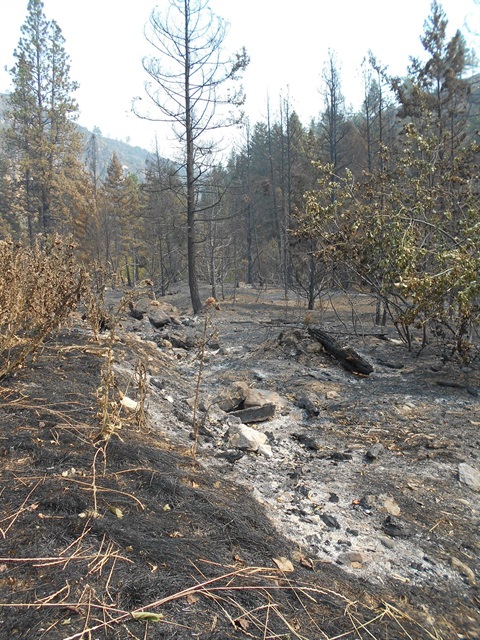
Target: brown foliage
39, 287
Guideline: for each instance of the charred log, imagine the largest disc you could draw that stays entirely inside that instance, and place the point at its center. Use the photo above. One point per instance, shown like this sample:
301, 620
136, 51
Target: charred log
348, 358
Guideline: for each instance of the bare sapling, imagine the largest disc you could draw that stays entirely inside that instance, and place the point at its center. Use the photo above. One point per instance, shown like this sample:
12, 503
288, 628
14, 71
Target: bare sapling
208, 332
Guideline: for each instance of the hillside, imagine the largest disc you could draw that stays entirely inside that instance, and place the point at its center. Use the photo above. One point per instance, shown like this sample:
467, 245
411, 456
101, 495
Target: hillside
131, 157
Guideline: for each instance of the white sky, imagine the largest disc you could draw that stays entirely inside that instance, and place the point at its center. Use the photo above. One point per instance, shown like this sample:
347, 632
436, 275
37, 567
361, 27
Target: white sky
287, 42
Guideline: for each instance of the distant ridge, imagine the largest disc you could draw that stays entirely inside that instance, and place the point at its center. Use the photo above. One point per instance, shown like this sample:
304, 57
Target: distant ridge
131, 157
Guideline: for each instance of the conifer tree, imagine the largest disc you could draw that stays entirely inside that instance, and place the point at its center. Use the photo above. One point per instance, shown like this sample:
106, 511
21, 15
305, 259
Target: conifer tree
42, 136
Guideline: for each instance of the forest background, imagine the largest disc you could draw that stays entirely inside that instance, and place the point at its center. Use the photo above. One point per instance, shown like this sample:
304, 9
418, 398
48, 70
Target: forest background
384, 200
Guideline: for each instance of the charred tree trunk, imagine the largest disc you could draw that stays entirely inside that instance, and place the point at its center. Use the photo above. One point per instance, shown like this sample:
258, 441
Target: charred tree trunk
346, 356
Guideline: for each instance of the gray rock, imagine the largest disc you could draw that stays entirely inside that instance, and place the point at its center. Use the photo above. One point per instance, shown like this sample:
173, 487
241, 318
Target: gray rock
182, 339
330, 521
243, 437
261, 397
158, 318
396, 528
389, 544
232, 397
375, 451
469, 476
255, 414
308, 404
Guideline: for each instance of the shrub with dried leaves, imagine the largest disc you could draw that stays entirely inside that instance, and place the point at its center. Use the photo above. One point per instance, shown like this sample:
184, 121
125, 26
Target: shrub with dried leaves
39, 288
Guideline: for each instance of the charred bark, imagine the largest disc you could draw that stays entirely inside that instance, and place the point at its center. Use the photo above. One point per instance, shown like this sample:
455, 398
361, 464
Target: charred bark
346, 356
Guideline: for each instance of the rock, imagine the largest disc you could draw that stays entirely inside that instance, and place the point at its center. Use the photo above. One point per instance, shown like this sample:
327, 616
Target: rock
255, 414
243, 437
375, 451
396, 528
137, 314
469, 476
330, 521
158, 318
261, 397
265, 450
181, 339
309, 405
387, 543
462, 568
232, 397
353, 559
308, 441
381, 503
129, 404
391, 506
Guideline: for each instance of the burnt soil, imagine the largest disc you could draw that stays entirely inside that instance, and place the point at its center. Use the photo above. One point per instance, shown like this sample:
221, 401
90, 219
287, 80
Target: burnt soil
137, 539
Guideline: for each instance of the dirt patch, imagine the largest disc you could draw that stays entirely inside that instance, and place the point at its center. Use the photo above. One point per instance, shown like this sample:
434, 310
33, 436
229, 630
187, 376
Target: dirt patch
142, 541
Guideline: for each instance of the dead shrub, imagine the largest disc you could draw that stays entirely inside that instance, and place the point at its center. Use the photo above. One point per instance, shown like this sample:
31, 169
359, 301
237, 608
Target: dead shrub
39, 287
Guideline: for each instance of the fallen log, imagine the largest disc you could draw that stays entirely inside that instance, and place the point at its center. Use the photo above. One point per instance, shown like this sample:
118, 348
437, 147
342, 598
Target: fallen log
346, 356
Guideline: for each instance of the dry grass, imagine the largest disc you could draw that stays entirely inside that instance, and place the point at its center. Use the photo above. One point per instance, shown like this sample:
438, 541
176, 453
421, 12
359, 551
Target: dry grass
266, 617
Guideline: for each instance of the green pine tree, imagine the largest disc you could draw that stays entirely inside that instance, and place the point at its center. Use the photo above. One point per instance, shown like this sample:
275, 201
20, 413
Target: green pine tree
42, 135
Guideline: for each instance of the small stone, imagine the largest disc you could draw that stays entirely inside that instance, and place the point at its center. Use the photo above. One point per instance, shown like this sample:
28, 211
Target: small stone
375, 451
333, 498
391, 507
353, 559
129, 404
381, 503
265, 450
462, 568
247, 438
255, 414
262, 397
387, 543
396, 528
469, 476
330, 521
308, 441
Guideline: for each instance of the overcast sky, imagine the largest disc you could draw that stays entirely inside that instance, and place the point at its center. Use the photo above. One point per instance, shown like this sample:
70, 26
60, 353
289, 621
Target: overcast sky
287, 42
